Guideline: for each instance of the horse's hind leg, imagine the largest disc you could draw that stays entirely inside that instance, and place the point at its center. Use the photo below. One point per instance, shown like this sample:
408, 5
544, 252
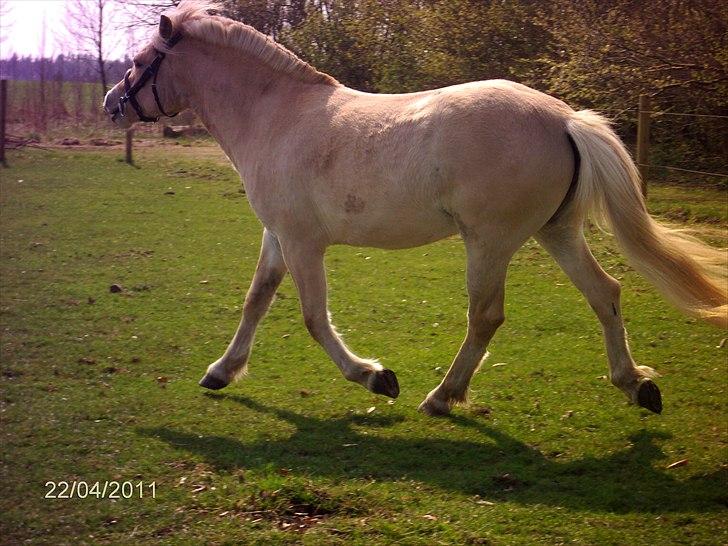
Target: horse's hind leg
566, 243
486, 275
305, 261
268, 276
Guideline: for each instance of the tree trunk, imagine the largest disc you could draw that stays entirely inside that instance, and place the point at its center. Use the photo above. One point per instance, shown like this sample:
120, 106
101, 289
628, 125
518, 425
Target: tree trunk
100, 57
41, 116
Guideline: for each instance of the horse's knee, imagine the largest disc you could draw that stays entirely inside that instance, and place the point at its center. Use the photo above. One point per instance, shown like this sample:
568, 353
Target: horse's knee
262, 291
485, 323
496, 319
315, 324
310, 322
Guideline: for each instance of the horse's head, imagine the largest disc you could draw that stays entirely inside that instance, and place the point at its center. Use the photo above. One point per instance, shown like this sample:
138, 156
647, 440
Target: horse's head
147, 91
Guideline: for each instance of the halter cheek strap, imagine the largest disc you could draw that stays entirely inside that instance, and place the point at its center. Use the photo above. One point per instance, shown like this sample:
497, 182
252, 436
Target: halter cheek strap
131, 90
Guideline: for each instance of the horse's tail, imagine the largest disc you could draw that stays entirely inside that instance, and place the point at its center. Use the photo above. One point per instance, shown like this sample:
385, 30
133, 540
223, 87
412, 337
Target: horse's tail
689, 273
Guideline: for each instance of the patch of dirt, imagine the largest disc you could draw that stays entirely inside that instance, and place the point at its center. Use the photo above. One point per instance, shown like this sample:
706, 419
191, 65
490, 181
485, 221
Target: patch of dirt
507, 482
104, 142
134, 253
293, 507
234, 194
482, 411
11, 374
207, 149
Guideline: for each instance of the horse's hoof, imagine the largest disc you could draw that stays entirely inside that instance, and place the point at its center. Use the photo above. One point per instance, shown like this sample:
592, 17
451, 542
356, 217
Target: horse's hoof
434, 407
211, 382
385, 382
648, 396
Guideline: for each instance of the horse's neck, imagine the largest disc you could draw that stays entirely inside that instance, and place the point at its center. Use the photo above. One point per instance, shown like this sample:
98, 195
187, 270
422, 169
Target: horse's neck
226, 91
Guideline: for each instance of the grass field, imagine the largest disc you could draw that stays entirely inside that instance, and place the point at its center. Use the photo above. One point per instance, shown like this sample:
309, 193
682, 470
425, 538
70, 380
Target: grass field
101, 386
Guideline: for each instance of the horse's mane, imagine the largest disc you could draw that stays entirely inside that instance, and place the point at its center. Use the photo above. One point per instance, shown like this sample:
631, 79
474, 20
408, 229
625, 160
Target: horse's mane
199, 19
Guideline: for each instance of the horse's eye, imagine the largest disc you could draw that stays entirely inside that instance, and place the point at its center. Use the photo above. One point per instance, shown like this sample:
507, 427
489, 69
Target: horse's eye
137, 64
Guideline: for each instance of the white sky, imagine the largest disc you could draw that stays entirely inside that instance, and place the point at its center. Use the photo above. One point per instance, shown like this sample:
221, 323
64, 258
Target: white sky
22, 28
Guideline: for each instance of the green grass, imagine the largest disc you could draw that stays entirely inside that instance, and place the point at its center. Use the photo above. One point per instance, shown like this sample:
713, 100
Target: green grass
99, 386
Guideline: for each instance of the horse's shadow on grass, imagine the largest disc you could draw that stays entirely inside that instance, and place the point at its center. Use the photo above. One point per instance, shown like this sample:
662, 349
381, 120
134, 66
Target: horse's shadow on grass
500, 468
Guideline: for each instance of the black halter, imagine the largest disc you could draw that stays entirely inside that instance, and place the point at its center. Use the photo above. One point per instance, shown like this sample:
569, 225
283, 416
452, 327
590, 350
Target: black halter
130, 91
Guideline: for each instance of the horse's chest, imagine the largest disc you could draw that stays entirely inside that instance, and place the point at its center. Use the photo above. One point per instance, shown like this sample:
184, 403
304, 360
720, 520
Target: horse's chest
266, 201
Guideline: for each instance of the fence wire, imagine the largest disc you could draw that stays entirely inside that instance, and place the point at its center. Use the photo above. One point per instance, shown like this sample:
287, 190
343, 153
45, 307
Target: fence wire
620, 111
671, 168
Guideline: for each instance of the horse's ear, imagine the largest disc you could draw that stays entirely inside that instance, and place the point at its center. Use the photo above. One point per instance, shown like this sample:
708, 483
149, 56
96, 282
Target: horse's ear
165, 27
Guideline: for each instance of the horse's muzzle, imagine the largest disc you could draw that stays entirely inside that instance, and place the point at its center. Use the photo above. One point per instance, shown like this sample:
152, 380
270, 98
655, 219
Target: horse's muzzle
110, 102
115, 109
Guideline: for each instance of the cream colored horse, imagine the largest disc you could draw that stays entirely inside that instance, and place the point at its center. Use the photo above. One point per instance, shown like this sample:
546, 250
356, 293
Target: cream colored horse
495, 161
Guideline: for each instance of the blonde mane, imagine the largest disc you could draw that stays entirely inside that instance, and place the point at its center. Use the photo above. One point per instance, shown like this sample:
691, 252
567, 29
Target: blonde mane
198, 19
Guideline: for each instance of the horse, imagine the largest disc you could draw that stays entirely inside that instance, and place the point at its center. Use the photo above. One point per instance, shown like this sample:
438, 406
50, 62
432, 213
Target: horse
493, 161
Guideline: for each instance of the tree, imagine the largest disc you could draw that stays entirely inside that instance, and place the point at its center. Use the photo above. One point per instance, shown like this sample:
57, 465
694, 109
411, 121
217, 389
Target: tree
86, 28
5, 12
671, 48
408, 45
268, 16
144, 14
41, 117
603, 55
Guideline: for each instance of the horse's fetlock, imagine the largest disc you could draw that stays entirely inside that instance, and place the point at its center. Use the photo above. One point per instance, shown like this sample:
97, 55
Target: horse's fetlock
460, 398
628, 379
433, 405
353, 374
623, 379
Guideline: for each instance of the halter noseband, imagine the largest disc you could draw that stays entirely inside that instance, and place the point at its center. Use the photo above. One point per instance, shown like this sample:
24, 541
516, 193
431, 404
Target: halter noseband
130, 91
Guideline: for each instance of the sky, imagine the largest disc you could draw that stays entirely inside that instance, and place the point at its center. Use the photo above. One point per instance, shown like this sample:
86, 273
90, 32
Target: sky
21, 28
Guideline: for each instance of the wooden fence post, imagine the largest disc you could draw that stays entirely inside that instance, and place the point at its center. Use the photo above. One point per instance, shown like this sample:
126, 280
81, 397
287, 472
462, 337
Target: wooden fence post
3, 112
129, 135
643, 140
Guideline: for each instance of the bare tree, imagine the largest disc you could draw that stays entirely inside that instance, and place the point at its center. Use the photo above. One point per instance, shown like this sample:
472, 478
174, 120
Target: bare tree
144, 14
87, 23
268, 16
41, 121
5, 11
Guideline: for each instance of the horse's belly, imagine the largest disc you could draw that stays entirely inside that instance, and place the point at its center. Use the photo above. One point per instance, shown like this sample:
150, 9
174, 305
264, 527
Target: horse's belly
398, 229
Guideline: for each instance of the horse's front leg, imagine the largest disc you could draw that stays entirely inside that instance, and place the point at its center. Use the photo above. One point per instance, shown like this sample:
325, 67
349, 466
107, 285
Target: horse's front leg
268, 276
306, 264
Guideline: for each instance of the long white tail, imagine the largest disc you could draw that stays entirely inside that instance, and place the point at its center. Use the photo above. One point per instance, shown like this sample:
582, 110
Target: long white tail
689, 273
